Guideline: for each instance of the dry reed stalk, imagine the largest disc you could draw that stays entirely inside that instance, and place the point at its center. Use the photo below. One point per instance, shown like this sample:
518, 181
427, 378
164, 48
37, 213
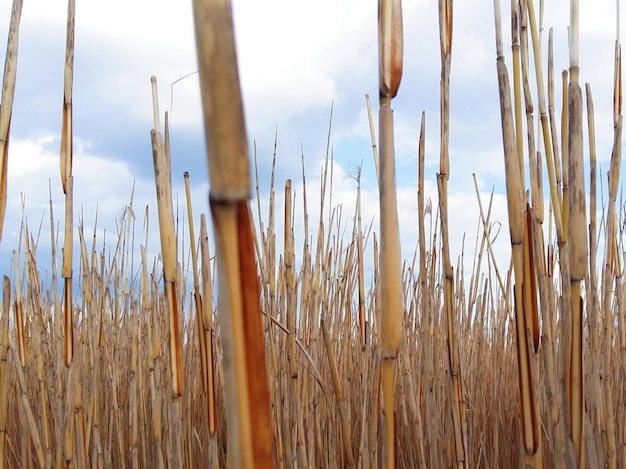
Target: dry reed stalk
531, 436
592, 303
163, 181
577, 235
339, 394
621, 316
360, 268
4, 382
427, 381
67, 182
564, 149
558, 168
529, 287
487, 237
291, 313
612, 271
209, 328
534, 158
18, 312
370, 119
455, 385
197, 297
168, 246
390, 50
544, 275
543, 116
67, 122
6, 102
247, 392
66, 273
517, 80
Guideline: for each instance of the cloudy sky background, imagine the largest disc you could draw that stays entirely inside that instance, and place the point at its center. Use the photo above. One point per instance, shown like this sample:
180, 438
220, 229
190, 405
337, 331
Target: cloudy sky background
296, 59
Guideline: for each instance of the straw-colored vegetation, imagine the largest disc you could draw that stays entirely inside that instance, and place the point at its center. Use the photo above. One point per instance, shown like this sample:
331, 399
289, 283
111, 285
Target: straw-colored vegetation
302, 364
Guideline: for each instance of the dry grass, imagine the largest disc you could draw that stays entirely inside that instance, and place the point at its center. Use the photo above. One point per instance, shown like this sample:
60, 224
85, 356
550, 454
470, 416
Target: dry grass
147, 370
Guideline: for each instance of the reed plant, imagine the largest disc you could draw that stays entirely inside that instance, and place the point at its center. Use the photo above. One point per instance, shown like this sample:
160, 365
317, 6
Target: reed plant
343, 355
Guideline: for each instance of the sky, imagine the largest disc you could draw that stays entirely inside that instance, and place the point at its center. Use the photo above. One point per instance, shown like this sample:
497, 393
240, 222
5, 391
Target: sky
297, 59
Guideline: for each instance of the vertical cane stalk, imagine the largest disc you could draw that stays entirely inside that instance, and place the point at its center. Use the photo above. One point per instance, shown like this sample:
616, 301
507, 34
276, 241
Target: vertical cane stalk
67, 182
531, 436
390, 49
4, 382
455, 385
6, 102
577, 236
247, 391
197, 297
209, 333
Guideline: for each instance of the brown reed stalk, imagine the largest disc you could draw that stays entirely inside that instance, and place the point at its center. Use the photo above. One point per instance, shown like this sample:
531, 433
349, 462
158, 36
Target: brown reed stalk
390, 50
247, 392
531, 436
68, 184
197, 297
291, 311
6, 102
455, 385
565, 79
486, 236
427, 379
163, 181
577, 236
360, 268
370, 119
593, 302
517, 80
543, 116
543, 272
558, 166
339, 394
612, 270
4, 382
209, 328
18, 311
534, 158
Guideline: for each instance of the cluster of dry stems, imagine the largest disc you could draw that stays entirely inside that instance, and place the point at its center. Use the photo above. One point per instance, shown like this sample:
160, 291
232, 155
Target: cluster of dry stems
305, 365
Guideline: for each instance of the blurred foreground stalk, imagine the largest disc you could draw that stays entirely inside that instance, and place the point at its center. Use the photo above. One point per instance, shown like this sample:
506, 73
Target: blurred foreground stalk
245, 372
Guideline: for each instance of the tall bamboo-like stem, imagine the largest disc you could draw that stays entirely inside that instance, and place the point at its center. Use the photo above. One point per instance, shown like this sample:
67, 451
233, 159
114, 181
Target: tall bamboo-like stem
390, 50
485, 220
162, 173
517, 81
531, 436
577, 236
543, 115
611, 271
455, 384
67, 181
6, 102
247, 391
360, 269
593, 302
370, 119
207, 322
339, 394
615, 175
428, 378
291, 313
197, 295
163, 180
558, 173
4, 382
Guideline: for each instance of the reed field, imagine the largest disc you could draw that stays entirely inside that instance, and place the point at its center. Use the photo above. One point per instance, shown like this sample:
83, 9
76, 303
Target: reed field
239, 345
